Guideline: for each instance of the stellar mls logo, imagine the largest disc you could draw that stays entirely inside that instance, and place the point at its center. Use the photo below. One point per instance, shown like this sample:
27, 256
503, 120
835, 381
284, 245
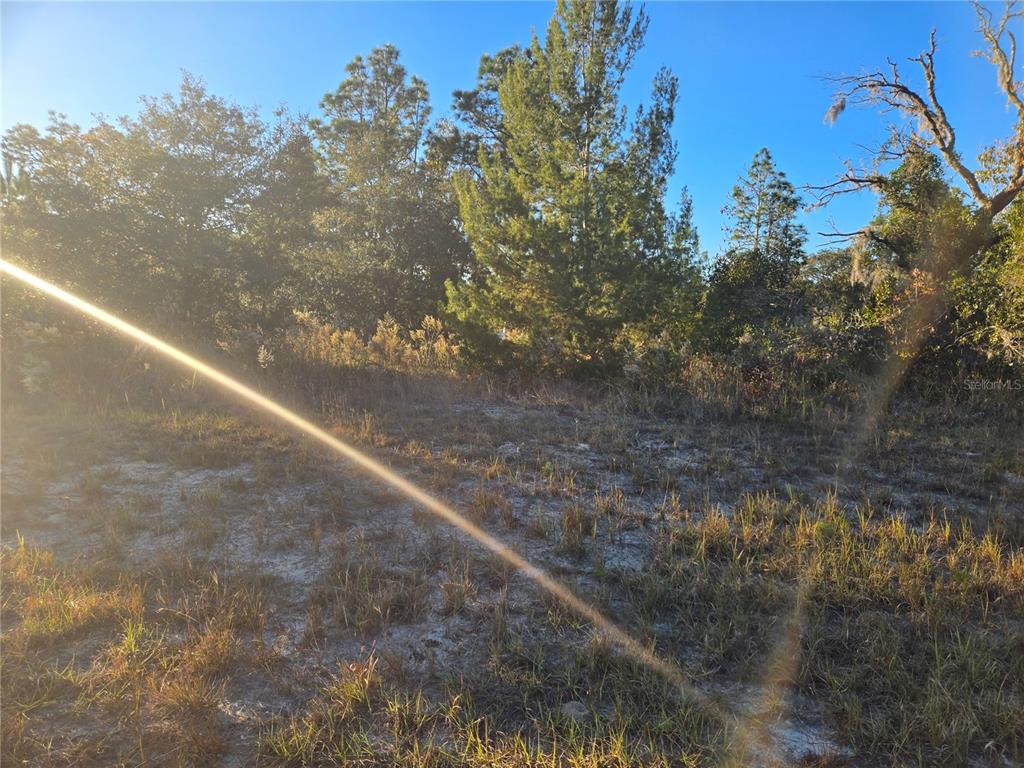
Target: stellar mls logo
995, 385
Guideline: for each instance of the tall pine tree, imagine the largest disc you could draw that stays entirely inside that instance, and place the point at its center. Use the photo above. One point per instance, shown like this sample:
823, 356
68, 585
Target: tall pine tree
751, 290
389, 240
566, 214
763, 211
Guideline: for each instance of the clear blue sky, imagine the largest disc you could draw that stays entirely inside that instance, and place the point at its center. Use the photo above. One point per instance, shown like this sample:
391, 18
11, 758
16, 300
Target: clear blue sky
750, 74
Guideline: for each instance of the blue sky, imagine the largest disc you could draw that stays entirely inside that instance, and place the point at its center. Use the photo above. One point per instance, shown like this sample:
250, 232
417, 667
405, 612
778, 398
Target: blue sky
750, 74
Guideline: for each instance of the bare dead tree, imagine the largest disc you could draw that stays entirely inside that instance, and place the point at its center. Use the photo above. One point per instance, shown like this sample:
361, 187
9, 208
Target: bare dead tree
927, 125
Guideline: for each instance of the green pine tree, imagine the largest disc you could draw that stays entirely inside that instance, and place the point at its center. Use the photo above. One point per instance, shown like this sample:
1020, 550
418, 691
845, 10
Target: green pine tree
566, 212
388, 238
763, 211
752, 290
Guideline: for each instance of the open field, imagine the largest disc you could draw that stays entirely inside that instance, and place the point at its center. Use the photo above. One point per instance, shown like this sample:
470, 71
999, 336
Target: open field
183, 585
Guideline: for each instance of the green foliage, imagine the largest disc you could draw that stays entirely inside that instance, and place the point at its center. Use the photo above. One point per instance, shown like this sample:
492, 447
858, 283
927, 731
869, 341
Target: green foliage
172, 217
928, 245
988, 303
763, 211
479, 111
13, 185
388, 239
535, 222
566, 215
752, 290
835, 336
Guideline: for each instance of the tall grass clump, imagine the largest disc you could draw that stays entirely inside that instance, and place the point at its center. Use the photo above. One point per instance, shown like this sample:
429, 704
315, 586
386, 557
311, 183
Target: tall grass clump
427, 349
910, 634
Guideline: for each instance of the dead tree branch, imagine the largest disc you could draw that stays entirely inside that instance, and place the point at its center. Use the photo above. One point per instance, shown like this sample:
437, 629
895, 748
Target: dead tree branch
930, 126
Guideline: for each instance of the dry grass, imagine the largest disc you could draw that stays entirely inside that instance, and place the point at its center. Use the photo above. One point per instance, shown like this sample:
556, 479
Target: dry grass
134, 618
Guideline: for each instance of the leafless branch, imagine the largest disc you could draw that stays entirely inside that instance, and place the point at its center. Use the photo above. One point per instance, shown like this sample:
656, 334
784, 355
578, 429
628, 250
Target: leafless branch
1003, 57
851, 181
931, 127
841, 238
867, 233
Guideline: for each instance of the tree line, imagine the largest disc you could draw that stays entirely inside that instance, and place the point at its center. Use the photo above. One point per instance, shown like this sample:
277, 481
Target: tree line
534, 221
